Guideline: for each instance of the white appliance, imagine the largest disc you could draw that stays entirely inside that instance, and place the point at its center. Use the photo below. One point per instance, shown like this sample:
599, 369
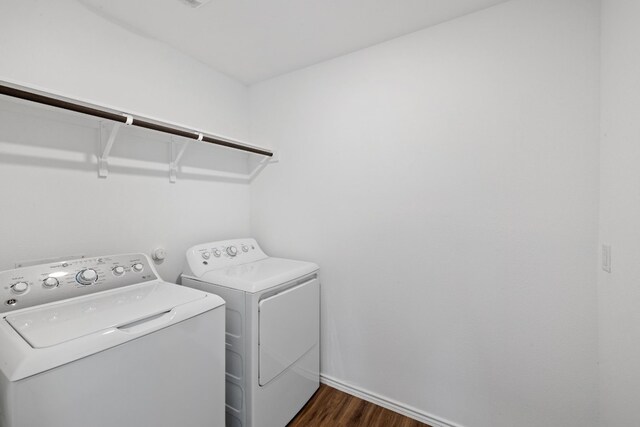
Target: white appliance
104, 342
272, 332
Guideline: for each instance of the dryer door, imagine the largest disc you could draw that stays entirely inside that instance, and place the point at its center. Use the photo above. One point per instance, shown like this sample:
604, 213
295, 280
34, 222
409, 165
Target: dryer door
289, 324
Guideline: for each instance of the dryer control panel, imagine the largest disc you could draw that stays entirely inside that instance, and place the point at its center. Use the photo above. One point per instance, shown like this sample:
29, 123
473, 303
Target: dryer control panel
225, 253
45, 283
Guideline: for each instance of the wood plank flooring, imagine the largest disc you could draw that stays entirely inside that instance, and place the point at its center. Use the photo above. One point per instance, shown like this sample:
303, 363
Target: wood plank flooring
332, 408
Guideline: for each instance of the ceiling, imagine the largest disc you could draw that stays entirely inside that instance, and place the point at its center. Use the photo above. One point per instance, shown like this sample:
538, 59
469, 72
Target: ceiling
253, 40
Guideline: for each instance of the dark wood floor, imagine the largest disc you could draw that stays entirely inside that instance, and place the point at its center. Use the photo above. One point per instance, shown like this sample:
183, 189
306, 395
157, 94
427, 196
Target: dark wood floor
332, 408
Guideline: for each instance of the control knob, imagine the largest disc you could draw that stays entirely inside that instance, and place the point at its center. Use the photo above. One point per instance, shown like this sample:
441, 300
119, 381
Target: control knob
20, 287
137, 267
50, 282
206, 255
245, 248
232, 251
87, 277
217, 253
118, 270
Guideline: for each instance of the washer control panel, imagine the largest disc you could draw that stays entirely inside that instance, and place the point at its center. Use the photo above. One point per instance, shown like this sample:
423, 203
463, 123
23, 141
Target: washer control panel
44, 283
225, 253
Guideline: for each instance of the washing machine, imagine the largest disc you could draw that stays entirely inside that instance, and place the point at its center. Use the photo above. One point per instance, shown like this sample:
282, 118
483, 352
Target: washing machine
104, 342
272, 328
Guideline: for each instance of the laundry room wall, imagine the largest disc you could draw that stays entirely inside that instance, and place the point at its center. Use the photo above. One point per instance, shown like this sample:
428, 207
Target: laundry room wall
619, 291
447, 184
53, 202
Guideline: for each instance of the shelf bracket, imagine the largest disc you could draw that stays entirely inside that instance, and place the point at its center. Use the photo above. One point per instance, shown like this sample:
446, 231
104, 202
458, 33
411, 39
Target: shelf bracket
108, 135
177, 150
263, 164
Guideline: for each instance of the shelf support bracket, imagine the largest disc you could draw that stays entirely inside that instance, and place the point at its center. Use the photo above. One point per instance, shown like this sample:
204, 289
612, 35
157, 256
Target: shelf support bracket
177, 150
108, 135
263, 164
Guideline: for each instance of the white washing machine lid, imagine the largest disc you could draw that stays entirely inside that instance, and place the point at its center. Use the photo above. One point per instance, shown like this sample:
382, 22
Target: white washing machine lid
40, 338
259, 275
53, 324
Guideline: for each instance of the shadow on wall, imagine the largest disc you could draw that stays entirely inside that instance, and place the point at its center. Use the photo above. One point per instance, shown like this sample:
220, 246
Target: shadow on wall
45, 137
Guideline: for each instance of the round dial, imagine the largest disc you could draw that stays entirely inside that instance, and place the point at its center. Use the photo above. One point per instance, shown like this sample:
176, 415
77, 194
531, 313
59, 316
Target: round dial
118, 271
206, 255
87, 277
20, 287
232, 251
137, 267
217, 253
245, 248
50, 282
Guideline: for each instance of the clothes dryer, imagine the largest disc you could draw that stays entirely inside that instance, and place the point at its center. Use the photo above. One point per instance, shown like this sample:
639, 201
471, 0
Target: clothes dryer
272, 328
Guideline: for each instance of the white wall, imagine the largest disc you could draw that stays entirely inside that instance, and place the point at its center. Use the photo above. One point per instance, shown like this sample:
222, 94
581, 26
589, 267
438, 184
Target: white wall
447, 184
619, 292
63, 47
52, 202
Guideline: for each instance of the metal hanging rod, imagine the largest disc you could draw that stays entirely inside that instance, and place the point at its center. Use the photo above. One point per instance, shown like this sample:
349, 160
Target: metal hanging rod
125, 118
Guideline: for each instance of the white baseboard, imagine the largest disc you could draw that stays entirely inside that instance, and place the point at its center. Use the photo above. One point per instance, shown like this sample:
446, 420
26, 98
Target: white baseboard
387, 403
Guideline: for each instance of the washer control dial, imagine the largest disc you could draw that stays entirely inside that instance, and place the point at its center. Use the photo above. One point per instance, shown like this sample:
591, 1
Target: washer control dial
232, 251
245, 248
206, 255
87, 277
137, 267
20, 287
217, 253
50, 282
118, 271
